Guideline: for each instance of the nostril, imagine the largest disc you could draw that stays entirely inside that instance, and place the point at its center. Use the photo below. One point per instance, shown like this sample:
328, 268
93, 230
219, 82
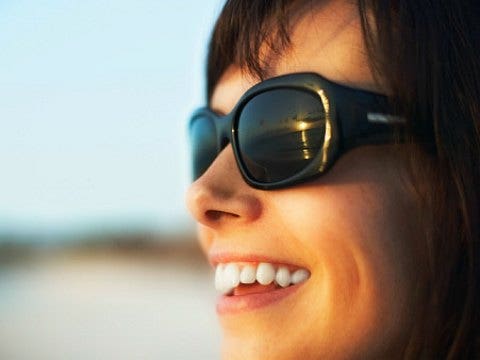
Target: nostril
214, 215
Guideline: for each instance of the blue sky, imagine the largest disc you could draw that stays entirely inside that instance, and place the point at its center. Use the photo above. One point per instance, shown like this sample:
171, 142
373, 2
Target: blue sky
94, 96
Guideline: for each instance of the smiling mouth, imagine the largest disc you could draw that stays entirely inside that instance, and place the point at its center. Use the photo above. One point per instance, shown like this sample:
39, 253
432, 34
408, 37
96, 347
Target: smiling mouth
239, 279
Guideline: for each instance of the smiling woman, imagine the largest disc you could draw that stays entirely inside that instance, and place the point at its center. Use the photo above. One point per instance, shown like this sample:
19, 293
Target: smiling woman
338, 197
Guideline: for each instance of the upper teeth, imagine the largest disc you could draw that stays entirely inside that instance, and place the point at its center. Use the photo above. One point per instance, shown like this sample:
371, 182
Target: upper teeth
229, 276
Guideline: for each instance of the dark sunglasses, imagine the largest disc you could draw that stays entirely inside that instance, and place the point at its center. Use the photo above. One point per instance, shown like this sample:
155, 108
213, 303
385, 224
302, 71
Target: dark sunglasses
291, 128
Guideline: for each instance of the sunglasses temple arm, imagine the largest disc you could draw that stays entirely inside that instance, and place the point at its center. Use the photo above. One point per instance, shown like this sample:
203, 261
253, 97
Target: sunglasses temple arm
368, 128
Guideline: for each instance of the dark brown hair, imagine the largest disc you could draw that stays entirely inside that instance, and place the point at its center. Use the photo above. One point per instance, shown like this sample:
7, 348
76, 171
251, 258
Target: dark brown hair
428, 54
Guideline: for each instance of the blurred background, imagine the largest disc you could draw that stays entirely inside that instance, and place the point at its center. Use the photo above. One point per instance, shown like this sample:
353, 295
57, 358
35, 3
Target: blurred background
98, 258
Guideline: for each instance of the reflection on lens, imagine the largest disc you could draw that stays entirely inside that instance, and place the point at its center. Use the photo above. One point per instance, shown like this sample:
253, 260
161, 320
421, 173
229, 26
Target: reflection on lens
280, 132
203, 144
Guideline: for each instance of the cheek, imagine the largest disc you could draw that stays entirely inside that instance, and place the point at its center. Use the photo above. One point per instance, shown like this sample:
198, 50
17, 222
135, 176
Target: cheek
335, 217
356, 235
365, 219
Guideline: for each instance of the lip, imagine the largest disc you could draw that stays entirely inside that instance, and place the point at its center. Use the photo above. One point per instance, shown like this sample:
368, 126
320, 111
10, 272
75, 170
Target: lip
234, 304
223, 258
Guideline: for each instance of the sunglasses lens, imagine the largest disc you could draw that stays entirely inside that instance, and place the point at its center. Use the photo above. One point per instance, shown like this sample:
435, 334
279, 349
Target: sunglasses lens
203, 144
279, 133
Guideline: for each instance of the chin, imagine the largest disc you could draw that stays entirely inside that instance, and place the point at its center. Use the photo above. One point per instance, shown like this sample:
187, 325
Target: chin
259, 348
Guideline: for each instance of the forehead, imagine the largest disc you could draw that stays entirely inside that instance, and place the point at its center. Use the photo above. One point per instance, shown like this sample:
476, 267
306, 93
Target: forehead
326, 40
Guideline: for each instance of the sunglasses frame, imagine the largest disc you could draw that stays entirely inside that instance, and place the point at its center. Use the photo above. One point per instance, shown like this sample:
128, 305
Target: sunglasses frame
353, 118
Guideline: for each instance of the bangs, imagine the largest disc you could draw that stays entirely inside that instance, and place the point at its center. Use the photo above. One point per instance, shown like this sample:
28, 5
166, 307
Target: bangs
245, 31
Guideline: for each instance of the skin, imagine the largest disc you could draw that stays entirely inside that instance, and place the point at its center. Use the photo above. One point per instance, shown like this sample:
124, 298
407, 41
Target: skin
354, 228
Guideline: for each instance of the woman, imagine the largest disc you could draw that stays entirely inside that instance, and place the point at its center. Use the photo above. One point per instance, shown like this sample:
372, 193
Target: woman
342, 223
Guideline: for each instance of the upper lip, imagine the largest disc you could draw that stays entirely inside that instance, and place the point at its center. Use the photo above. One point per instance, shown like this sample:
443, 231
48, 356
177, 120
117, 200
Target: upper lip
228, 257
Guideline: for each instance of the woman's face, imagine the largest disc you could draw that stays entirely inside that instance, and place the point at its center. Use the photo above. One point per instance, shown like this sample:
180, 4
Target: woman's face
353, 229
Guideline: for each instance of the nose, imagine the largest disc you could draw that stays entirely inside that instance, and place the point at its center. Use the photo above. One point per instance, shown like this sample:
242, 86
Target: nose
221, 197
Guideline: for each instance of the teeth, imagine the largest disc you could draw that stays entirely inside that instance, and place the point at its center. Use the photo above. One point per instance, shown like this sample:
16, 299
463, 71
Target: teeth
219, 277
248, 274
299, 276
283, 277
229, 276
265, 273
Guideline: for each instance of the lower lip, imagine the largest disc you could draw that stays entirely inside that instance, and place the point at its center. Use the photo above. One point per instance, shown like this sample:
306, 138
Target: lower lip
240, 303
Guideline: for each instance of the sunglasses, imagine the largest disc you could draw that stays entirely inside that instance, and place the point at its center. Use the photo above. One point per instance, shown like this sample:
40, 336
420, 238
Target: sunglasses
292, 128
